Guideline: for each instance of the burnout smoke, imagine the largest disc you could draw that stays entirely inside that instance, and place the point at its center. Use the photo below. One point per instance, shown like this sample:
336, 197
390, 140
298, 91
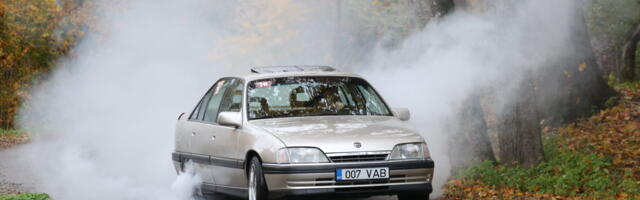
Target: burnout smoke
187, 184
103, 122
435, 70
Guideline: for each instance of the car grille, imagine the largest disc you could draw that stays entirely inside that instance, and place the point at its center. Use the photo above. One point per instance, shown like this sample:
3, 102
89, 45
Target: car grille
358, 157
392, 179
415, 177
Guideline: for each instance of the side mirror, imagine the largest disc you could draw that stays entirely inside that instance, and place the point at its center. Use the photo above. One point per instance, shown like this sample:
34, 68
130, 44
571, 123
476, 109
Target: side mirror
230, 119
402, 114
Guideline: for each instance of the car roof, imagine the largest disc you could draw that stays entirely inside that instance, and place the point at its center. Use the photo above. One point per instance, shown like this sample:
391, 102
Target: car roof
257, 73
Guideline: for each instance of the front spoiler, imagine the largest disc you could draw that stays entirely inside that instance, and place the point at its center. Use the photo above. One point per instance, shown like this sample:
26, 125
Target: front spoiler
356, 192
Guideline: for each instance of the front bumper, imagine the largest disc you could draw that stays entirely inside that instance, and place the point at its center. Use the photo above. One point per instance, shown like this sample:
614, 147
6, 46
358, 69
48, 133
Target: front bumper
412, 176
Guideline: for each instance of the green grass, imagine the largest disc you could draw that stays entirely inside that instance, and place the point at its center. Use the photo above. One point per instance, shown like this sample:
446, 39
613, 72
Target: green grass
563, 173
635, 85
25, 196
10, 132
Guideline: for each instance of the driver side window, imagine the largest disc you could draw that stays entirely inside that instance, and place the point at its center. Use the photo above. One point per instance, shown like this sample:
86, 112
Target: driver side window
232, 101
225, 96
211, 108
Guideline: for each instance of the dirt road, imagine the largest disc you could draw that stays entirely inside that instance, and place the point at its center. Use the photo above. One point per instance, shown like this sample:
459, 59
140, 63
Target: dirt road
10, 184
222, 197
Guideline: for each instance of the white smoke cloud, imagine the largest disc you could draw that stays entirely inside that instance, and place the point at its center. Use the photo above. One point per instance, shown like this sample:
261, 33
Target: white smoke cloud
103, 123
436, 69
187, 184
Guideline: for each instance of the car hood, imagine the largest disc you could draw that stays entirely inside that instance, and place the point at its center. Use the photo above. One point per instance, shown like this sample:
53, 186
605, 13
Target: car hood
339, 133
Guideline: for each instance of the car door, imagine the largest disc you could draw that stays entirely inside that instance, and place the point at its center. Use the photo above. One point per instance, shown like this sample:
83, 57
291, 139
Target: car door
222, 141
199, 154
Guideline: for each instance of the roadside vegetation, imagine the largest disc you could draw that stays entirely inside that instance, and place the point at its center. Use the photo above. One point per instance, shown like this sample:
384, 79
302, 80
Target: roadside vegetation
595, 157
10, 137
34, 36
25, 196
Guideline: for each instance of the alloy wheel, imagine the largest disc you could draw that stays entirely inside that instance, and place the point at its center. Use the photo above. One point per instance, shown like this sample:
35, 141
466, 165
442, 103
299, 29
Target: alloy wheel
252, 183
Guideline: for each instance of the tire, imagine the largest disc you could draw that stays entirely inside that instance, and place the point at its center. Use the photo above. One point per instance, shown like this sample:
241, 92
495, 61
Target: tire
257, 189
413, 196
182, 167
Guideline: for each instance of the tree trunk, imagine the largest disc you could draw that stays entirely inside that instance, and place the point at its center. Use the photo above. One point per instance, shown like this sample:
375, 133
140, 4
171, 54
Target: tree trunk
573, 85
568, 87
470, 142
441, 8
606, 54
629, 56
519, 128
461, 3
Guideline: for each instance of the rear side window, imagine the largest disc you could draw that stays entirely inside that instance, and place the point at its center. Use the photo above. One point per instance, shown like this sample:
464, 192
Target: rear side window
197, 113
194, 114
203, 104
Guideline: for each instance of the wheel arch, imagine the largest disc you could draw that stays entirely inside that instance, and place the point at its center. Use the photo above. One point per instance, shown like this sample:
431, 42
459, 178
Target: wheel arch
247, 161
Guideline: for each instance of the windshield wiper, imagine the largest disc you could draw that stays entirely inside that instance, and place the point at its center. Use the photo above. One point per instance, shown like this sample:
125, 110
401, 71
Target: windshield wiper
264, 117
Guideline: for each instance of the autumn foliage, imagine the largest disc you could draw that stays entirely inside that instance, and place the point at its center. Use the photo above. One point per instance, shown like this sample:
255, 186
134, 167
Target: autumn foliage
614, 132
34, 34
593, 158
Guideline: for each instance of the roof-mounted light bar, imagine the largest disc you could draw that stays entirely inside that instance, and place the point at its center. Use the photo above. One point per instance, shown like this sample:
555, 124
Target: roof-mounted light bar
297, 68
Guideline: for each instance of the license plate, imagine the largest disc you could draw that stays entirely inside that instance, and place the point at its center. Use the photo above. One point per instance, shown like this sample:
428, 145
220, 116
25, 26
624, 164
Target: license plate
362, 173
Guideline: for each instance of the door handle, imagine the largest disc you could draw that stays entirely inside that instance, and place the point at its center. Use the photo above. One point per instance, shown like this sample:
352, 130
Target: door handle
193, 133
213, 138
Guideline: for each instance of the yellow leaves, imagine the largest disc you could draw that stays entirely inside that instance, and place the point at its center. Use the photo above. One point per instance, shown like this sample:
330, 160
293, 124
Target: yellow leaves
617, 159
455, 182
631, 126
623, 196
27, 47
613, 132
466, 189
32, 7
582, 67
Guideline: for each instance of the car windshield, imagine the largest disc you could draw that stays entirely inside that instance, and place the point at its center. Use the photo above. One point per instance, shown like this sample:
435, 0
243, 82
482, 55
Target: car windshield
312, 96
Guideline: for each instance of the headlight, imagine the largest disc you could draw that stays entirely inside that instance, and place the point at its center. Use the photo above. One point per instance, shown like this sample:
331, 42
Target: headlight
301, 155
409, 151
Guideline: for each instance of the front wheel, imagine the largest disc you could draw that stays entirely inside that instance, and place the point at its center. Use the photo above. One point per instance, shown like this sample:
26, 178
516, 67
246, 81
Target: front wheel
257, 185
413, 196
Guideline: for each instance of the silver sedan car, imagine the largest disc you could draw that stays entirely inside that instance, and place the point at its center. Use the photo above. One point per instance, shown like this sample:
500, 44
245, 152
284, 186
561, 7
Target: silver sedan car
301, 131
